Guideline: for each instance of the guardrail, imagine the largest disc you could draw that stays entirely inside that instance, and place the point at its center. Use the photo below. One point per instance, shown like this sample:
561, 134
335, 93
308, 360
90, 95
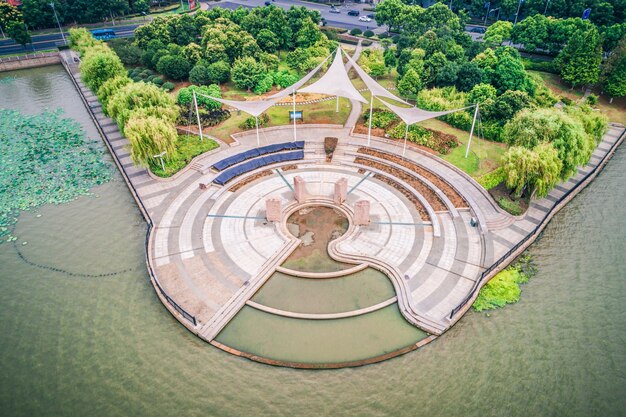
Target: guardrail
535, 231
135, 194
28, 56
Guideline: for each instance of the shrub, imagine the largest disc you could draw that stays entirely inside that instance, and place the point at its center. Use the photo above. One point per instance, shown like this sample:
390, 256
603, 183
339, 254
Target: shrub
492, 179
200, 75
140, 95
592, 99
356, 32
382, 118
510, 206
219, 72
368, 33
185, 96
157, 81
174, 67
501, 290
250, 122
168, 86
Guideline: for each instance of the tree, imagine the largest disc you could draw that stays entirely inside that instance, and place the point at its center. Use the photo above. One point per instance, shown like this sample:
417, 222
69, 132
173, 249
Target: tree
200, 75
531, 32
9, 14
308, 34
174, 67
18, 32
579, 61
373, 62
110, 87
509, 74
498, 33
247, 72
508, 104
410, 84
136, 96
98, 66
389, 12
448, 74
150, 136
219, 72
537, 169
614, 72
468, 76
566, 134
185, 96
481, 93
267, 41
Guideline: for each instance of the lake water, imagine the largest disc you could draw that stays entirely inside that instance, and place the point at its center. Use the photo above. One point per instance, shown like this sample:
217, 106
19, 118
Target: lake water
83, 345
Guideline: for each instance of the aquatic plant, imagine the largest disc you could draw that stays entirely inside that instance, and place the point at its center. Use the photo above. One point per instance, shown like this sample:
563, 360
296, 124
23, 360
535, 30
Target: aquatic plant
45, 159
504, 288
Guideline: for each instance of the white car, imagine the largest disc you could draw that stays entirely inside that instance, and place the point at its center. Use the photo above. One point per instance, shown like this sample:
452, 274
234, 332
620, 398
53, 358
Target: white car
364, 19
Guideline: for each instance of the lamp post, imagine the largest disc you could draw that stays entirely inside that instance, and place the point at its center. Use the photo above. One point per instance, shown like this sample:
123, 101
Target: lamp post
160, 156
519, 5
58, 23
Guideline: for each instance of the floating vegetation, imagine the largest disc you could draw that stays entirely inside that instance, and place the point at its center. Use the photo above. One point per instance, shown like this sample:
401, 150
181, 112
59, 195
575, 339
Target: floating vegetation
504, 288
44, 159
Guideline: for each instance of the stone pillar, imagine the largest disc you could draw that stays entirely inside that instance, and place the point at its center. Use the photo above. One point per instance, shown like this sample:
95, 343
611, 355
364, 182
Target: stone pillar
299, 189
341, 191
272, 209
362, 213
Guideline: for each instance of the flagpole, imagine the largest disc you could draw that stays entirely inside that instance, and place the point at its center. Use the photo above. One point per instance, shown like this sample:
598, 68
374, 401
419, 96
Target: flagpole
471, 131
195, 103
369, 128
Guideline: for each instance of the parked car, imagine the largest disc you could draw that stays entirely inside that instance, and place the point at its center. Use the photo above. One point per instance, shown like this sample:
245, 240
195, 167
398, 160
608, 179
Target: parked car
371, 16
365, 19
354, 13
478, 29
334, 10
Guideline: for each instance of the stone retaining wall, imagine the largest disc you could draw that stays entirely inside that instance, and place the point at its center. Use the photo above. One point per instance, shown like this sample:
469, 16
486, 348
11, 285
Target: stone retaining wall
29, 61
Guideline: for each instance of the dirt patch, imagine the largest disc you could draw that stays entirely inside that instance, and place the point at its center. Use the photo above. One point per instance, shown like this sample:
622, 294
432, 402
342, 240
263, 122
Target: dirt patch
428, 193
409, 195
330, 144
457, 200
250, 179
289, 167
507, 201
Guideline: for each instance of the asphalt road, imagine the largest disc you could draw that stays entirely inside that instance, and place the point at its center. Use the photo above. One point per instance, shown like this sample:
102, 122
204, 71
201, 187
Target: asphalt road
341, 20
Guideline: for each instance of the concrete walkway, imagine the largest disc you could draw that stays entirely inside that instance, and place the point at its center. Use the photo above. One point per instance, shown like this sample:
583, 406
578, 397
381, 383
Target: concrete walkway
210, 266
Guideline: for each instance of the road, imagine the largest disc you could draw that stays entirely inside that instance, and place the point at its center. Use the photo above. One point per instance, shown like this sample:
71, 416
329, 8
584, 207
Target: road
341, 20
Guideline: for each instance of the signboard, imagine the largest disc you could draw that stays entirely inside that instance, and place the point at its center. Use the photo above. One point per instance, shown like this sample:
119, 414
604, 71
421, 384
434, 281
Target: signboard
298, 115
586, 14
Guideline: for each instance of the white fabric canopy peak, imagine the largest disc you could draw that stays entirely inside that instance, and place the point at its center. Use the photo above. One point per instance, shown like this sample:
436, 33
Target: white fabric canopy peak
335, 82
371, 84
411, 115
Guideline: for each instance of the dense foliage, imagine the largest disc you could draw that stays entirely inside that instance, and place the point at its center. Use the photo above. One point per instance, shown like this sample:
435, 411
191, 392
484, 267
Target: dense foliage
504, 288
46, 158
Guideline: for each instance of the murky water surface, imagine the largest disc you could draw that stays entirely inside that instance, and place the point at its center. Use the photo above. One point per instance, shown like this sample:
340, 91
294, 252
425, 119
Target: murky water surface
73, 345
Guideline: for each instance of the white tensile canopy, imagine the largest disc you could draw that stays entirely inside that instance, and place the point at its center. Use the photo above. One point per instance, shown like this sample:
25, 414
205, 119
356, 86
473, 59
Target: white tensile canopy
336, 82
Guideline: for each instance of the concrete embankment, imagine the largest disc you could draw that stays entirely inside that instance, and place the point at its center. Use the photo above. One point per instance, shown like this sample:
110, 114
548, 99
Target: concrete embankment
29, 61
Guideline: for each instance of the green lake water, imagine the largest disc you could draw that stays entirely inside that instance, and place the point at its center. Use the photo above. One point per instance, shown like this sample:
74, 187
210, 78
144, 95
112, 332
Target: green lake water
79, 345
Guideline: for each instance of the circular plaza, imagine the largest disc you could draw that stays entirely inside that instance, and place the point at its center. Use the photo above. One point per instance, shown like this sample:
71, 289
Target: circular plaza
348, 254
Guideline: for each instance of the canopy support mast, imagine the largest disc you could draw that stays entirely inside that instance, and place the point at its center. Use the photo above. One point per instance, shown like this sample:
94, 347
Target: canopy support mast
295, 138
406, 134
471, 132
195, 103
369, 128
256, 121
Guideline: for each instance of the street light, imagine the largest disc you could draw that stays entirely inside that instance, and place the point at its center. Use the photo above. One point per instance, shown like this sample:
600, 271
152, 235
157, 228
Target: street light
519, 5
160, 156
58, 23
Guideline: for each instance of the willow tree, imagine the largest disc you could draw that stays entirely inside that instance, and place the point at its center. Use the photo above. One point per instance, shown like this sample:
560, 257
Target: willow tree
110, 87
135, 96
537, 169
150, 136
98, 66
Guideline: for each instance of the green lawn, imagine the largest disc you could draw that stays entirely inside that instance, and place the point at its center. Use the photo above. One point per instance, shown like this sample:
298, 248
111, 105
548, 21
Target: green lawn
616, 111
323, 112
188, 147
